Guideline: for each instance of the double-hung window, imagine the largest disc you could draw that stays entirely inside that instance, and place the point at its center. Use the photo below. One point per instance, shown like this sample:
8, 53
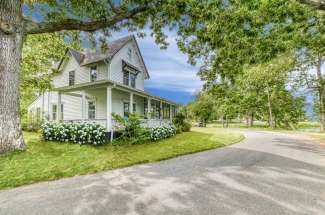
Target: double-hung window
54, 111
71, 78
134, 107
132, 79
93, 73
91, 110
126, 78
61, 112
126, 109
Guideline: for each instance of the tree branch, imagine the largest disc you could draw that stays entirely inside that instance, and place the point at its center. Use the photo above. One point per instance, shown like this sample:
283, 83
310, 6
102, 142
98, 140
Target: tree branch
318, 4
32, 27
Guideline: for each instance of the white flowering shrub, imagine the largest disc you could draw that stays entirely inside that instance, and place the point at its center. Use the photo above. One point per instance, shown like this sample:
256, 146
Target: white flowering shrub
162, 132
81, 133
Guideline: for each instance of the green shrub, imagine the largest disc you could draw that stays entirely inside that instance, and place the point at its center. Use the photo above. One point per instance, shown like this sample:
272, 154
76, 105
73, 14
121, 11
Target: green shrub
132, 131
186, 127
81, 133
180, 123
162, 132
31, 125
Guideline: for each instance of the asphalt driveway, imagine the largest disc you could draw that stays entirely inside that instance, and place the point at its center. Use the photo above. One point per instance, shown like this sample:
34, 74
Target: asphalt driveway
268, 173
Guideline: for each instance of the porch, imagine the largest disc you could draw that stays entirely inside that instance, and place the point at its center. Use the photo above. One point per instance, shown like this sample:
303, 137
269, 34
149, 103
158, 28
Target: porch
95, 102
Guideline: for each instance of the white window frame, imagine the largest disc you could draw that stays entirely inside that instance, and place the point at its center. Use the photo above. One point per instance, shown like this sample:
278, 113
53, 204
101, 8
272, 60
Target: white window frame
62, 110
95, 73
95, 111
54, 113
74, 78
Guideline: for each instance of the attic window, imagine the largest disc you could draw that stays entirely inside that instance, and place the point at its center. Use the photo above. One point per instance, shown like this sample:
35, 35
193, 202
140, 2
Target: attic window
129, 53
93, 73
71, 78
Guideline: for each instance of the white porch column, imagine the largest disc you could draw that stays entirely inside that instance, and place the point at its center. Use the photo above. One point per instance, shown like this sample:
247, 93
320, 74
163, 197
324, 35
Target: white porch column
161, 110
83, 105
58, 114
170, 112
109, 109
131, 103
149, 108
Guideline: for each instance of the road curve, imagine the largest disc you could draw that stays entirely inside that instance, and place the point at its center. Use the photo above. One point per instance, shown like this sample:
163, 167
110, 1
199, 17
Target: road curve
267, 173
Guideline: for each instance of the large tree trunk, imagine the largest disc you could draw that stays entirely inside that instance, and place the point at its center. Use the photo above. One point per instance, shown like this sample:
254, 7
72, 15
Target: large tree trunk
11, 36
269, 104
321, 92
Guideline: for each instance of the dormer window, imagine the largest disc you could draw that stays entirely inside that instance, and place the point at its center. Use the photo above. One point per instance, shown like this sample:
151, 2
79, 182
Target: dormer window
93, 73
129, 53
71, 78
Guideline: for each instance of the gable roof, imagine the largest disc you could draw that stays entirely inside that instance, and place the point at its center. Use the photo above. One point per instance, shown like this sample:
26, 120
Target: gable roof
86, 58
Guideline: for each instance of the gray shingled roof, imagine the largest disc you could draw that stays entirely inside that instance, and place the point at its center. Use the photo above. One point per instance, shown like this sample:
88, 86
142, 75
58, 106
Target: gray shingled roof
86, 58
113, 48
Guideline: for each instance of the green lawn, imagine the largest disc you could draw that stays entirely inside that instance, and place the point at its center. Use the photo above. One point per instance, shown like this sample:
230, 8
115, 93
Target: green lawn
50, 160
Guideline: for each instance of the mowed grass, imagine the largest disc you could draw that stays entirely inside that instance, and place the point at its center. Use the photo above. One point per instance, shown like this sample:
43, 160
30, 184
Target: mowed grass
44, 161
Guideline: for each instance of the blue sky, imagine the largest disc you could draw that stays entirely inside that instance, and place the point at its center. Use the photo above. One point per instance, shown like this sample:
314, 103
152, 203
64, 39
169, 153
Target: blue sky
171, 76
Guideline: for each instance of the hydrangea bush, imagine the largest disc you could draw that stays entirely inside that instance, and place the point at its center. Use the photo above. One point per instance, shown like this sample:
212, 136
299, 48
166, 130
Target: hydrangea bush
163, 132
81, 133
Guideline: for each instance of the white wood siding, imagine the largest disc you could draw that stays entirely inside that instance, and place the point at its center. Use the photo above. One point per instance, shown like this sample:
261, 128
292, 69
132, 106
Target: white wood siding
71, 105
115, 70
82, 73
99, 96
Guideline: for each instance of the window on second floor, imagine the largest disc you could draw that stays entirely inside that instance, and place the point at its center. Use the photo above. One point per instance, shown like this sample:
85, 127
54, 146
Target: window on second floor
71, 78
132, 79
93, 73
126, 78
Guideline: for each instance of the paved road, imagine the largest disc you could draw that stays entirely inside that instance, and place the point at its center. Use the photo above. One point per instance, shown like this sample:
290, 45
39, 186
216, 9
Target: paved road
268, 173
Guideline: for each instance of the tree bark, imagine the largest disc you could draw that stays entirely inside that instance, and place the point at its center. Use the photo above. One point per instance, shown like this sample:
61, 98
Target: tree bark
11, 38
249, 119
269, 103
321, 93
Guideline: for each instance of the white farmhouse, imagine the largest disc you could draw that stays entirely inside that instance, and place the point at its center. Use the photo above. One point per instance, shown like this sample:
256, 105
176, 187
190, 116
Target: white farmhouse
92, 85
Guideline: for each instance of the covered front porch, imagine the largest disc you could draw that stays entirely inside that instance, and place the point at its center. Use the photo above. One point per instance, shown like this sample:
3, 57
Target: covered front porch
97, 101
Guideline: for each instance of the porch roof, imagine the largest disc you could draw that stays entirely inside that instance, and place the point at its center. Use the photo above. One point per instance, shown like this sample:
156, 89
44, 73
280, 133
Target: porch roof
115, 85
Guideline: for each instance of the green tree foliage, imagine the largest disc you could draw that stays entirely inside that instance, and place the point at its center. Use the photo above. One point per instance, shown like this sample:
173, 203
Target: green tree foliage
202, 108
